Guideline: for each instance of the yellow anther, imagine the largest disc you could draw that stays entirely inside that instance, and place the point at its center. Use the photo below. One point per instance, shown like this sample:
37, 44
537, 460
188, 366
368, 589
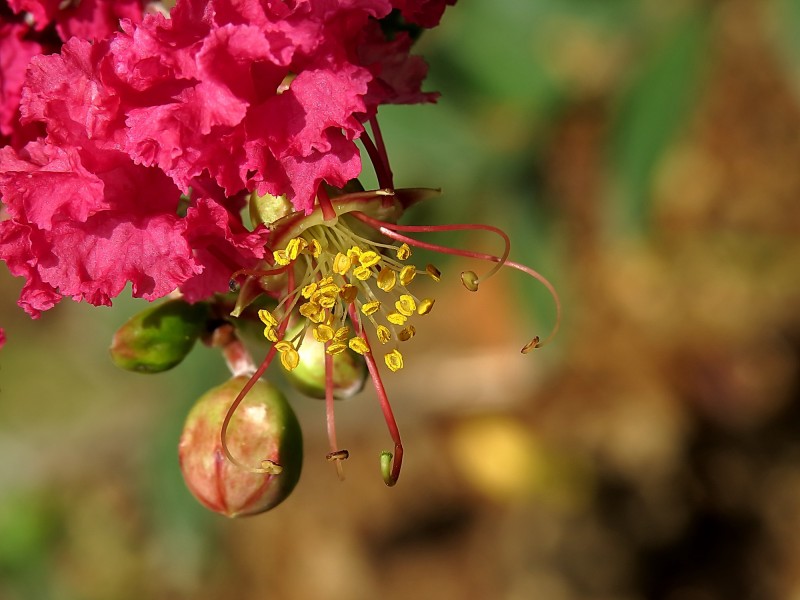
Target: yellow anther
348, 293
370, 307
403, 252
369, 258
336, 348
394, 360
281, 257
396, 318
407, 274
362, 273
406, 333
406, 305
314, 248
308, 290
353, 253
327, 301
435, 273
289, 356
267, 318
387, 279
313, 312
325, 281
359, 345
341, 334
384, 335
341, 264
271, 333
425, 306
470, 280
323, 333
294, 247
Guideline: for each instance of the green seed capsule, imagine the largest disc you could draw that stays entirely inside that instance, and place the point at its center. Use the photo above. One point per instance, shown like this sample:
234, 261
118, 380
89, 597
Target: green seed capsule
349, 370
264, 433
159, 337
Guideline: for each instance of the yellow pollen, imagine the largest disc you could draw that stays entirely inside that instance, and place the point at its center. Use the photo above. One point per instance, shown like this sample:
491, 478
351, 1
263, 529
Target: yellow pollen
394, 360
370, 307
359, 345
289, 356
369, 258
341, 334
348, 293
407, 333
425, 306
384, 335
294, 247
387, 279
309, 290
362, 273
407, 274
314, 248
271, 333
313, 312
336, 348
323, 333
327, 301
267, 318
435, 273
281, 257
406, 305
403, 252
396, 318
341, 264
353, 253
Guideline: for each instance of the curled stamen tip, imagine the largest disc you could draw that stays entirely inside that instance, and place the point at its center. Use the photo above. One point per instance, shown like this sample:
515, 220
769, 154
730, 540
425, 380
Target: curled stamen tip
386, 468
271, 467
534, 343
233, 285
337, 455
470, 280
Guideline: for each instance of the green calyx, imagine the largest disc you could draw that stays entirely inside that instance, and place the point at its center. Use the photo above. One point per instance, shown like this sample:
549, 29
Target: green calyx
159, 337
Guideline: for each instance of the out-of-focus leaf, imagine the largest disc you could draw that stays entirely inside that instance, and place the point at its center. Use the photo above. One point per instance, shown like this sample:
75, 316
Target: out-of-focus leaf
653, 111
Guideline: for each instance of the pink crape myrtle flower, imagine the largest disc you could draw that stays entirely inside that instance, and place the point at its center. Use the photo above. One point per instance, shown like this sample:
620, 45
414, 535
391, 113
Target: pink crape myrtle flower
155, 138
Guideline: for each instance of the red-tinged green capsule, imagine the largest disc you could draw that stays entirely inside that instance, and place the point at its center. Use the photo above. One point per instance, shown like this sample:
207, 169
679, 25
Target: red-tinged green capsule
159, 337
263, 431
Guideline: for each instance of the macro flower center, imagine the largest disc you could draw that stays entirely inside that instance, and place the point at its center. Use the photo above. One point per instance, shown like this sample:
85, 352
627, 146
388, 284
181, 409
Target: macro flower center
339, 274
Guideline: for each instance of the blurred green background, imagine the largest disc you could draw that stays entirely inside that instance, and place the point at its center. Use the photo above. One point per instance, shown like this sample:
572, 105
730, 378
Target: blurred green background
644, 156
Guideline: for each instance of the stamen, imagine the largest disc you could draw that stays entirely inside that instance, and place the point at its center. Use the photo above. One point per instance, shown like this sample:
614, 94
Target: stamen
335, 454
390, 472
391, 231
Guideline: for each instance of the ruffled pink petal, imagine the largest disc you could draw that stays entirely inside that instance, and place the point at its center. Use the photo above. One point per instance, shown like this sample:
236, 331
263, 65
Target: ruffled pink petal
44, 182
221, 244
15, 54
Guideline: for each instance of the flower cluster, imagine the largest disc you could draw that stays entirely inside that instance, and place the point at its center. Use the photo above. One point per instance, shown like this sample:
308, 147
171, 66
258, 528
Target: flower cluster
137, 151
153, 134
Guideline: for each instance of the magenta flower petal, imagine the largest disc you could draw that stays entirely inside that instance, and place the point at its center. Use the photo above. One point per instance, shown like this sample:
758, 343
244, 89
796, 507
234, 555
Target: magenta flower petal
221, 244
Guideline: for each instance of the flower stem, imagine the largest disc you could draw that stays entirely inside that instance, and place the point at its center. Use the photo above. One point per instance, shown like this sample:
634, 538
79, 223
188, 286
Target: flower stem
382, 171
381, 147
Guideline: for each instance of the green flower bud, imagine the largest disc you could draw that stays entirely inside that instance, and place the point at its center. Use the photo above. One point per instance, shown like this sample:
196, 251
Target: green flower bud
349, 370
159, 337
263, 432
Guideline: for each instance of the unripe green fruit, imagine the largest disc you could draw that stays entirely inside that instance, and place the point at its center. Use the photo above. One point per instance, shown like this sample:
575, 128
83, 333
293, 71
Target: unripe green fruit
349, 371
263, 428
159, 337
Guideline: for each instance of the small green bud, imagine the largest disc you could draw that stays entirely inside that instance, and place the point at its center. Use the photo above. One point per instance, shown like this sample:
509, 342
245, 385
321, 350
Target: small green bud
159, 337
264, 432
349, 370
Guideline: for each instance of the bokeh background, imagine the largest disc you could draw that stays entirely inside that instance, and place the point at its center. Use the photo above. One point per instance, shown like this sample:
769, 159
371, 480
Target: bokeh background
644, 156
